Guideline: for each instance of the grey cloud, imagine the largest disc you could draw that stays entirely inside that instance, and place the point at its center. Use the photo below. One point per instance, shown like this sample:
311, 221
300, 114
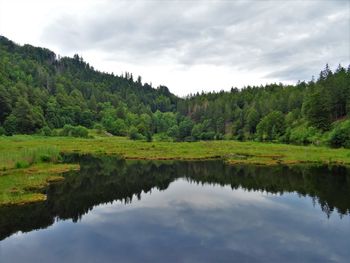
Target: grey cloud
277, 37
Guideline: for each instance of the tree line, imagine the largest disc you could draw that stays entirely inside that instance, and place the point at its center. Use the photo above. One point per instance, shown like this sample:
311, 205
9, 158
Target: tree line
44, 93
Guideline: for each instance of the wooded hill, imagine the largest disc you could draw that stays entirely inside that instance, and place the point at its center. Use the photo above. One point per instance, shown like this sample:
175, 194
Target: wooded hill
41, 92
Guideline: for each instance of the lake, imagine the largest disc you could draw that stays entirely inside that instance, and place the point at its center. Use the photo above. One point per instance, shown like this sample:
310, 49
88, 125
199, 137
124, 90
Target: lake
114, 210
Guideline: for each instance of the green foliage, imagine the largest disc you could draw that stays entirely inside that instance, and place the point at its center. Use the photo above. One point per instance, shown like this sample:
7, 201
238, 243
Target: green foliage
185, 128
10, 125
148, 136
21, 164
340, 136
39, 91
134, 134
174, 131
197, 131
304, 135
316, 109
118, 127
271, 127
2, 131
27, 156
74, 131
28, 118
252, 120
46, 131
99, 128
210, 135
5, 104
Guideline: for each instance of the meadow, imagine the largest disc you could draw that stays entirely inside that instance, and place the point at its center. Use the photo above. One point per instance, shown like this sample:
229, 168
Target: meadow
29, 163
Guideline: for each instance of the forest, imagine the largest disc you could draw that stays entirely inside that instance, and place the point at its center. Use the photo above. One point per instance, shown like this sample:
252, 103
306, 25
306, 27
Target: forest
43, 93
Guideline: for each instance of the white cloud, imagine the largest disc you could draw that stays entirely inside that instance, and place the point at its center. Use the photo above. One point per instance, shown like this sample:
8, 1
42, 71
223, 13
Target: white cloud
189, 45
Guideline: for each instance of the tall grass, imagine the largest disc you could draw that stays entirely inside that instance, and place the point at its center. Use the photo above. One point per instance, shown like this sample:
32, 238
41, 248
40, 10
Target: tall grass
27, 156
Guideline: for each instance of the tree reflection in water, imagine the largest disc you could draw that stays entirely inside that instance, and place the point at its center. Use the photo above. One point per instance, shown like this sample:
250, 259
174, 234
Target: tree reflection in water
106, 179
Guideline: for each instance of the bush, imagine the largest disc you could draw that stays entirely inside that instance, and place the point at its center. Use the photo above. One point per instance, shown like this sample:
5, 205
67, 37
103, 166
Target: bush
207, 135
271, 127
340, 136
80, 131
118, 127
304, 135
173, 132
163, 137
10, 125
2, 131
99, 128
134, 134
46, 131
148, 136
74, 131
55, 133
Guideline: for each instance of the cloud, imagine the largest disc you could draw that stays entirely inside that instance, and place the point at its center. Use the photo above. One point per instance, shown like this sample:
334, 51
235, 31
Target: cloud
264, 40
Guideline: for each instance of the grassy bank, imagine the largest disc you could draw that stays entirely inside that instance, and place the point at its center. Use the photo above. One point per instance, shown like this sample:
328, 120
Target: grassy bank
23, 157
26, 171
29, 163
21, 186
232, 151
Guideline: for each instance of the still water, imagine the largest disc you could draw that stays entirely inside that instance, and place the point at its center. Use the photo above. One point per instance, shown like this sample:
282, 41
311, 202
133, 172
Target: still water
135, 211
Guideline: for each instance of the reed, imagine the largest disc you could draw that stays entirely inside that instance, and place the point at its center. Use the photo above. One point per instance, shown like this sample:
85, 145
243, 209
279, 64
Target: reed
25, 157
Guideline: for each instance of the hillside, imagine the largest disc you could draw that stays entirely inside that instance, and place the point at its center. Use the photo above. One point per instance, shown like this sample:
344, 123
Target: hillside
40, 92
67, 90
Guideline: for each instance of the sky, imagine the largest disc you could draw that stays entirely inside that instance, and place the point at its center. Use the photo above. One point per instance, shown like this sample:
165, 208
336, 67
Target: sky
189, 46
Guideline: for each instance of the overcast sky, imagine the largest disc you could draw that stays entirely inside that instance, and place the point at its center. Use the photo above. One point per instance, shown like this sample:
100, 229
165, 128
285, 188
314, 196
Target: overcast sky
189, 46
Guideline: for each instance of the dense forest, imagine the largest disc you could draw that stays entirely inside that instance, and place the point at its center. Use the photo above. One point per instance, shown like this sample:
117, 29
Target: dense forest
51, 95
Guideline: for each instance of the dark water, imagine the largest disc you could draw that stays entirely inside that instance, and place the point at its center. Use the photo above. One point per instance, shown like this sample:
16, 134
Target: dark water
118, 211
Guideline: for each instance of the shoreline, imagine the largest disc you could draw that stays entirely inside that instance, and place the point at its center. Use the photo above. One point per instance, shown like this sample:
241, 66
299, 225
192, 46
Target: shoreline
17, 189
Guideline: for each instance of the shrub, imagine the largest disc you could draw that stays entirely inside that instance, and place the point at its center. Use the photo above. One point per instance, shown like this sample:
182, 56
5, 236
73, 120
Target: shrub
99, 128
80, 131
304, 135
10, 125
134, 134
163, 137
271, 127
118, 127
207, 135
340, 136
2, 131
173, 131
148, 136
74, 131
46, 131
54, 133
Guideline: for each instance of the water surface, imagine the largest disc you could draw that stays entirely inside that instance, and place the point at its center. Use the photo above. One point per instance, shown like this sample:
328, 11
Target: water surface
131, 211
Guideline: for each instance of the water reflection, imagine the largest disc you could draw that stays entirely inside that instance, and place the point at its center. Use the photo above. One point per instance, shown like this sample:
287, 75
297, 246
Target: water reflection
209, 212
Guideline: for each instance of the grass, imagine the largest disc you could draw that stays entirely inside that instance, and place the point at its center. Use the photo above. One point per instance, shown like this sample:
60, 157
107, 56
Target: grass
28, 162
22, 186
232, 151
23, 157
26, 171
